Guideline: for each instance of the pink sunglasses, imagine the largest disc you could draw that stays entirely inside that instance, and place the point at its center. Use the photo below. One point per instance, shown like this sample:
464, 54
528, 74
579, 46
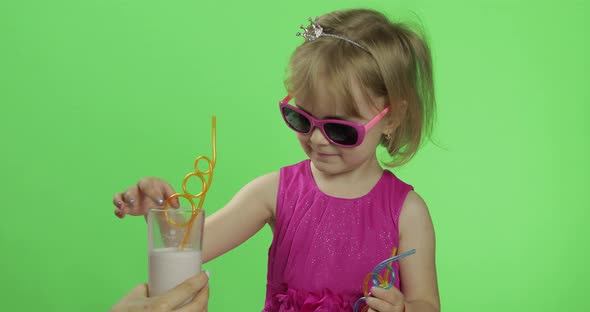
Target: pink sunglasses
338, 132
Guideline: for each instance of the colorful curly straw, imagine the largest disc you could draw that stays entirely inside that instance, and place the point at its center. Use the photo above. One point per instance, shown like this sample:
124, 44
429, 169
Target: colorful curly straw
206, 183
381, 281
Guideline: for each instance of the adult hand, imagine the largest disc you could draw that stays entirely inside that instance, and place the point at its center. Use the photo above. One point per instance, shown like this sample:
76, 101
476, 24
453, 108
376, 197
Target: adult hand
137, 299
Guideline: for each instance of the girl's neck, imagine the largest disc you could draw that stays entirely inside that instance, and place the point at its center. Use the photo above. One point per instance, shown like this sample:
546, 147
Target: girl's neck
349, 184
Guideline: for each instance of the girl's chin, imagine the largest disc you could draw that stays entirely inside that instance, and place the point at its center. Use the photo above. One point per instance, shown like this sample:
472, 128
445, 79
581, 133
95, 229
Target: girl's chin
326, 167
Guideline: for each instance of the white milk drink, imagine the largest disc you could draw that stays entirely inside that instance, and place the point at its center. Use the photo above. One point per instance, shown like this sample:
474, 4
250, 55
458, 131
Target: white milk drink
168, 267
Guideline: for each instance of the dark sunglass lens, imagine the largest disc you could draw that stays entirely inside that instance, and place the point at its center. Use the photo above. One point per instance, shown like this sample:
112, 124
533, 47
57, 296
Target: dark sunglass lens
341, 134
296, 121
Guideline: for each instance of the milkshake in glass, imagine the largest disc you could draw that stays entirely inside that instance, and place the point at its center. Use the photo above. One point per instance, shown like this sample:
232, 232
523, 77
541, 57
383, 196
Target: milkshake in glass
173, 255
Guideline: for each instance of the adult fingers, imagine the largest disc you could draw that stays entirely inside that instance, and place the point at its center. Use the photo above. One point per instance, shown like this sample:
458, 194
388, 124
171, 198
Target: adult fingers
128, 303
185, 290
140, 291
199, 303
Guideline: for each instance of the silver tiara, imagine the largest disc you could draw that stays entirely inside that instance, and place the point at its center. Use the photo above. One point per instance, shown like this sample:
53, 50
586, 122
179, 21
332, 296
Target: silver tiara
316, 31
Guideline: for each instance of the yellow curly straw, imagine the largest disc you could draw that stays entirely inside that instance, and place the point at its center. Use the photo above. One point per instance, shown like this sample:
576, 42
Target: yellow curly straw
206, 183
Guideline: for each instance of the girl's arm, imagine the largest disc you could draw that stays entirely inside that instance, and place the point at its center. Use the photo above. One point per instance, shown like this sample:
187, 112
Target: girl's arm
418, 272
247, 212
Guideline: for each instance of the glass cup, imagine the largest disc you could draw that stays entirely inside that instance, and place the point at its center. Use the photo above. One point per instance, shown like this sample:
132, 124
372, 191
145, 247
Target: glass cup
173, 255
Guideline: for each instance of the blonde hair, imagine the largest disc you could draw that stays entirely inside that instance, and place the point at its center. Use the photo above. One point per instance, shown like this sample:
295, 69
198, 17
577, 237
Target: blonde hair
397, 66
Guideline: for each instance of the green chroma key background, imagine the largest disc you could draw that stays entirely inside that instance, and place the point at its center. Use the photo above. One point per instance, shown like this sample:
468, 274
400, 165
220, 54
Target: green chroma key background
96, 94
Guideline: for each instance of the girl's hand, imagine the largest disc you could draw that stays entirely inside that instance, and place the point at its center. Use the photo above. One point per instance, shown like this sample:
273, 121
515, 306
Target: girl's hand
147, 193
386, 300
138, 301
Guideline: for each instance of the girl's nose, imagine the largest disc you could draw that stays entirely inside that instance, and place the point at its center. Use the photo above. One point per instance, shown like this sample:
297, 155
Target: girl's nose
318, 138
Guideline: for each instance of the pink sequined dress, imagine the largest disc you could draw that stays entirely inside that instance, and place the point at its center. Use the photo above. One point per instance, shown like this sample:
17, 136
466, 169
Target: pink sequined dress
324, 246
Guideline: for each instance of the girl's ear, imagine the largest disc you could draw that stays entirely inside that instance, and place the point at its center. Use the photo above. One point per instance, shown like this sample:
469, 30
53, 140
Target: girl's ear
394, 117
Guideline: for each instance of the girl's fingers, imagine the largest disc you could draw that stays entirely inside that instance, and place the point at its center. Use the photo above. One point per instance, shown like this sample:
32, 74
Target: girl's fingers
157, 191
147, 193
386, 299
150, 188
119, 213
378, 304
119, 204
132, 200
118, 200
391, 295
168, 191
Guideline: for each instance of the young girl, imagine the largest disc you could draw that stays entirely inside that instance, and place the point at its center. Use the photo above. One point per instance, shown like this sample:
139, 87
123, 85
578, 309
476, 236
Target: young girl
357, 81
